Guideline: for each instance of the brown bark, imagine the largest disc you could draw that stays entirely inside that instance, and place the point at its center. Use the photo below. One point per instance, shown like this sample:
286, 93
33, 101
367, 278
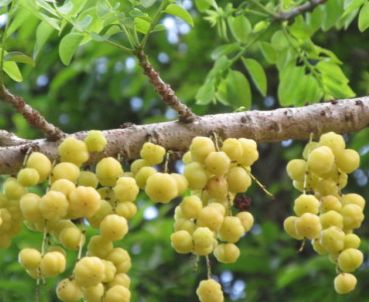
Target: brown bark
341, 116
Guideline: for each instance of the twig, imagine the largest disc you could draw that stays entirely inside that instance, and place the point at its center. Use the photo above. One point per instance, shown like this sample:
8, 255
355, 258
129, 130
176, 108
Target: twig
32, 116
8, 139
342, 116
164, 90
306, 7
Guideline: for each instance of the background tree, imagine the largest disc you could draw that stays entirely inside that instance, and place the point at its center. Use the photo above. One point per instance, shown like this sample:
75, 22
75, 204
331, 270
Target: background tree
86, 68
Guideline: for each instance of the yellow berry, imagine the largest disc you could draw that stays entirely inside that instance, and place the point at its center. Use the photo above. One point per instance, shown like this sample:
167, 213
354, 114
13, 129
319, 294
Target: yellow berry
353, 198
152, 154
93, 293
249, 152
95, 141
191, 206
113, 227
126, 189
227, 253
306, 204
126, 210
333, 140
321, 160
117, 293
73, 150
99, 246
108, 170
238, 180
331, 218
296, 169
143, 174
217, 187
63, 185
247, 220
29, 258
88, 179
330, 203
52, 264
71, 237
105, 209
13, 189
217, 163
210, 291
53, 205
210, 217
161, 187
196, 176
233, 148
65, 170
351, 241
109, 271
182, 182
348, 160
332, 239
41, 163
29, 205
28, 177
68, 291
231, 230
308, 225
350, 259
201, 147
352, 216
120, 279
344, 283
121, 259
89, 271
83, 202
182, 242
137, 164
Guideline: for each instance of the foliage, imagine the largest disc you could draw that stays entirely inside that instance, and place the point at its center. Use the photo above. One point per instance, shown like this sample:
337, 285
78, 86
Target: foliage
236, 56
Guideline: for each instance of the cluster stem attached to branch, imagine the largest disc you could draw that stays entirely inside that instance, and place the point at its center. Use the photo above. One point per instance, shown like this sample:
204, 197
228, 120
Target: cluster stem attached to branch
298, 10
341, 116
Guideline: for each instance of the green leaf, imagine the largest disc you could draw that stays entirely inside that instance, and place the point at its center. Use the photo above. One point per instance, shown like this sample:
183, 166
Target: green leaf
260, 26
12, 70
158, 27
68, 46
279, 40
176, 10
43, 33
21, 17
333, 10
351, 5
19, 57
78, 6
236, 90
202, 5
364, 17
289, 84
147, 3
206, 93
142, 25
257, 74
300, 29
268, 52
240, 28
224, 50
66, 8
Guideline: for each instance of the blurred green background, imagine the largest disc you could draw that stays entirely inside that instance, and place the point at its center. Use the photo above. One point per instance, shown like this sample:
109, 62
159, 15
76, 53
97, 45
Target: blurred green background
103, 88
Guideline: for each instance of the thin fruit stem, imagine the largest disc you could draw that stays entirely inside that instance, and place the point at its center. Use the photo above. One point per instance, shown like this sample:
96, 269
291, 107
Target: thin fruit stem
260, 185
208, 266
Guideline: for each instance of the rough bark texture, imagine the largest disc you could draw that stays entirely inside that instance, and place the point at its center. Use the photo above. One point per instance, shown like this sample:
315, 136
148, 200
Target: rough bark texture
341, 116
33, 117
164, 90
307, 6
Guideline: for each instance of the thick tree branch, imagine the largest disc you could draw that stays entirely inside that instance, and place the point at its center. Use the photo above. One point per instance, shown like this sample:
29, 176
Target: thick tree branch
164, 90
9, 139
306, 7
263, 126
32, 116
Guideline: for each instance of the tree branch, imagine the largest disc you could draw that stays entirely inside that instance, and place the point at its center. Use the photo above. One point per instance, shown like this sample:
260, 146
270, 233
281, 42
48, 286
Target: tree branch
164, 90
263, 126
9, 139
289, 15
32, 116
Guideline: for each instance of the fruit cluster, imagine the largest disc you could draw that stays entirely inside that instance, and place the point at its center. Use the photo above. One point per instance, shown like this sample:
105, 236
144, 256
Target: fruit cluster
204, 222
324, 214
73, 199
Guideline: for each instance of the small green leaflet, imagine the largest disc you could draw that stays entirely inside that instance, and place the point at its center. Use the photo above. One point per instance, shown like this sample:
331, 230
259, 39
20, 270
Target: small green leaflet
240, 27
202, 5
364, 17
12, 70
235, 90
43, 33
68, 46
206, 93
17, 56
176, 10
142, 25
257, 74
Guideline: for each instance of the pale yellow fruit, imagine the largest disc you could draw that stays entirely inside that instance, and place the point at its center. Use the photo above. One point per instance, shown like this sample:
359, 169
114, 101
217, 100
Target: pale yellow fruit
89, 271
108, 170
95, 141
345, 283
161, 187
73, 150
41, 163
152, 154
201, 147
227, 253
308, 225
182, 242
210, 291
